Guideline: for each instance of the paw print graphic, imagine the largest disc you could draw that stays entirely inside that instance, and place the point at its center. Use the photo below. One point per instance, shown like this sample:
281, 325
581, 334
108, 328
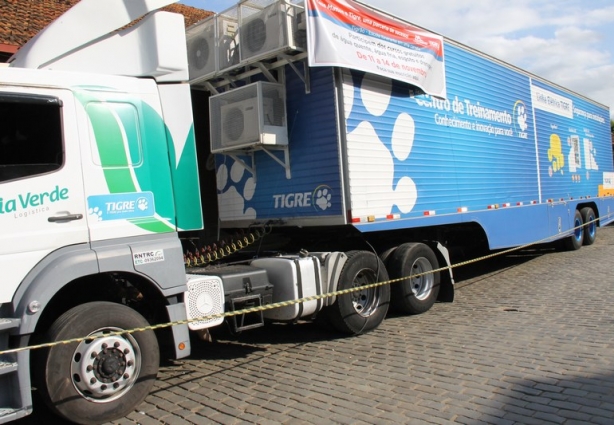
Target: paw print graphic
235, 189
322, 199
94, 214
395, 193
142, 204
522, 118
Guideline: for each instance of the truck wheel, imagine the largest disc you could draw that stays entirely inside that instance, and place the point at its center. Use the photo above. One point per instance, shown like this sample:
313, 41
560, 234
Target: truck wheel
575, 241
100, 380
362, 311
413, 295
590, 225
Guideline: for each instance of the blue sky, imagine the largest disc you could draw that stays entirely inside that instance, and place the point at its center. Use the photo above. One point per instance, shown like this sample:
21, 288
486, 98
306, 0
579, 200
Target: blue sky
568, 42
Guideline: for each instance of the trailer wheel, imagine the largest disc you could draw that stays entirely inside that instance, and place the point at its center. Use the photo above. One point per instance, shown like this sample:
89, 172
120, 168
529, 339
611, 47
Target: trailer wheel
413, 295
590, 225
575, 241
99, 380
361, 311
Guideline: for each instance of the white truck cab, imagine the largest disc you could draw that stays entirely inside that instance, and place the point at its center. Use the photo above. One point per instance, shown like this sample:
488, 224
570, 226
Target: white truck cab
90, 165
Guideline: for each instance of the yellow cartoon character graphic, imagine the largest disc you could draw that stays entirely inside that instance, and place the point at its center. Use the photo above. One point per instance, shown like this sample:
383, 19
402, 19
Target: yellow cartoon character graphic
555, 155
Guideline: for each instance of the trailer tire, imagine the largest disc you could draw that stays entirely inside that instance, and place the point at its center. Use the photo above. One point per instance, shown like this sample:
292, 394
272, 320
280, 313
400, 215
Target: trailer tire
385, 256
590, 225
575, 241
362, 311
413, 295
88, 383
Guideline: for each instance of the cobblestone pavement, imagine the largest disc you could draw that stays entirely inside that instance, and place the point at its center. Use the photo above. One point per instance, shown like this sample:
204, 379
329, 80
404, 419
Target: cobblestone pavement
528, 340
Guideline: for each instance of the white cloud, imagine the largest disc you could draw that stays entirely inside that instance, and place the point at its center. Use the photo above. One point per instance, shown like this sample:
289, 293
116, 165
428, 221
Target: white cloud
572, 58
571, 45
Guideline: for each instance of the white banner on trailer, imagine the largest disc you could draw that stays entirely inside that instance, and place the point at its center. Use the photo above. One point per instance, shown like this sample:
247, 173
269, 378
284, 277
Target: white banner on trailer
347, 34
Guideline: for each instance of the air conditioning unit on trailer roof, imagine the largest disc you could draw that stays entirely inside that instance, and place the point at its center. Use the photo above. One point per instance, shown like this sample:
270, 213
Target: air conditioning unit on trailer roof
265, 31
248, 117
202, 55
228, 38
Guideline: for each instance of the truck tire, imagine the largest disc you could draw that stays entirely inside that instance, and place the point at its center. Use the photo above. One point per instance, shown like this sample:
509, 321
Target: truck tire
385, 256
590, 225
362, 311
575, 241
100, 380
413, 295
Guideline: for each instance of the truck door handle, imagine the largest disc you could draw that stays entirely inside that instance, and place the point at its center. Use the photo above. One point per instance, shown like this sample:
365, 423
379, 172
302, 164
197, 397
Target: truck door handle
68, 217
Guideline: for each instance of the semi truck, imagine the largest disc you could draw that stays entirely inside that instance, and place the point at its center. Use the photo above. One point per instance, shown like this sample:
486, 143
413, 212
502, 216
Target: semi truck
322, 157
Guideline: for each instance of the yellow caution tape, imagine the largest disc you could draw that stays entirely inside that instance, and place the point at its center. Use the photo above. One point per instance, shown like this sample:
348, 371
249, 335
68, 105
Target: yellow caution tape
281, 303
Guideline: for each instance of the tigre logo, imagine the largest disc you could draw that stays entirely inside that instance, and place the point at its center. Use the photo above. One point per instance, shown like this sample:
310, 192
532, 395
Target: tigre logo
320, 199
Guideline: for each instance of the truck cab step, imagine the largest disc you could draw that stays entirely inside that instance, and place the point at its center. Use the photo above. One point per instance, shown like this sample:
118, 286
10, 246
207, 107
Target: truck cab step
9, 323
247, 321
7, 366
9, 414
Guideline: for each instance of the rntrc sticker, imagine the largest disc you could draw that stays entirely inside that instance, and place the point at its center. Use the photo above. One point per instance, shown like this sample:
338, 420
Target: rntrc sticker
140, 258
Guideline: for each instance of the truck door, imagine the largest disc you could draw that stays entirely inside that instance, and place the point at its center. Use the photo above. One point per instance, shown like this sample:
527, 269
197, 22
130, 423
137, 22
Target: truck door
42, 205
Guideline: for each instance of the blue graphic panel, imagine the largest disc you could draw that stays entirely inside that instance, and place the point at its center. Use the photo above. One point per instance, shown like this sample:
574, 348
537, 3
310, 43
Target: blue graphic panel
314, 189
570, 131
477, 155
474, 149
491, 131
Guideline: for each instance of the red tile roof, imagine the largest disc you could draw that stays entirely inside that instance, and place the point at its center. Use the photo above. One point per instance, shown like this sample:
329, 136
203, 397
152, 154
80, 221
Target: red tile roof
191, 14
20, 20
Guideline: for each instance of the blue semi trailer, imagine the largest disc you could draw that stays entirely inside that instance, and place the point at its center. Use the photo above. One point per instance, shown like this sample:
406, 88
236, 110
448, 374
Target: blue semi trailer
499, 158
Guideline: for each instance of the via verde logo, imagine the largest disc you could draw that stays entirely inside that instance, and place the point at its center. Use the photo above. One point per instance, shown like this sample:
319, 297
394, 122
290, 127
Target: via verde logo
33, 200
